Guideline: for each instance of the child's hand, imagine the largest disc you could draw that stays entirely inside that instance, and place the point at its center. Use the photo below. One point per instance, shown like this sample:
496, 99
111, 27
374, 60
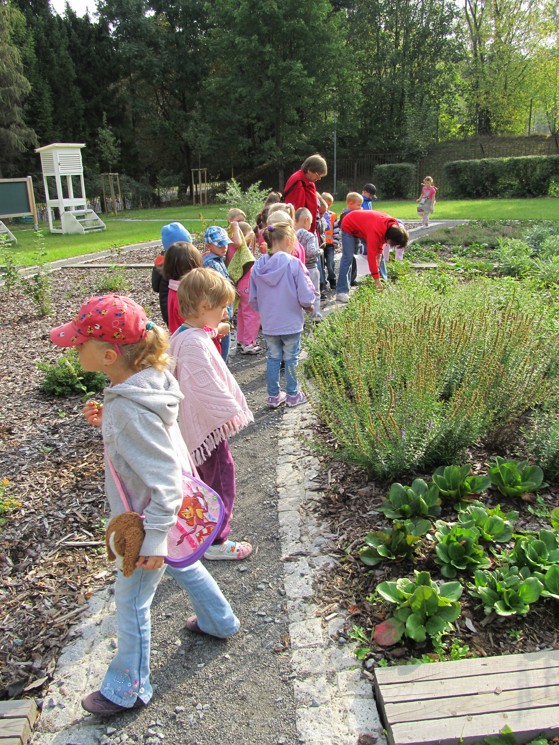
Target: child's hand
93, 413
223, 329
150, 562
378, 285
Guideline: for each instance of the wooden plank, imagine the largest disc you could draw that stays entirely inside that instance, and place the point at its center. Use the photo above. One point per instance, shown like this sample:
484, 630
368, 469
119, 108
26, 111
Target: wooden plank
526, 725
11, 741
469, 686
15, 728
545, 660
15, 709
16, 721
464, 706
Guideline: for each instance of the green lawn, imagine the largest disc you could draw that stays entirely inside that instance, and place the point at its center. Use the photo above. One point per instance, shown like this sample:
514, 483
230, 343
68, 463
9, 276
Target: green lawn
145, 225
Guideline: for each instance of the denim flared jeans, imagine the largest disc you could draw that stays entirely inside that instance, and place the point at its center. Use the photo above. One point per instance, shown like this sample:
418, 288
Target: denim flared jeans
128, 676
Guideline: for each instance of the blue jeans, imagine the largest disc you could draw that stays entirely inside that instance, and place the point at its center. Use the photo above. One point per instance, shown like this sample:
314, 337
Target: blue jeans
329, 260
282, 348
225, 342
128, 675
350, 245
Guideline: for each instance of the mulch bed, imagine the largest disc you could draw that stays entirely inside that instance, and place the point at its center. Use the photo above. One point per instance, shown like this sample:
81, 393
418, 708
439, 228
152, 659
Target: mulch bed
350, 504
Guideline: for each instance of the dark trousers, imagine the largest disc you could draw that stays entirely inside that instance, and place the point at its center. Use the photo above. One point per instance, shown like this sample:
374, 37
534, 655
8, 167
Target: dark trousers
218, 472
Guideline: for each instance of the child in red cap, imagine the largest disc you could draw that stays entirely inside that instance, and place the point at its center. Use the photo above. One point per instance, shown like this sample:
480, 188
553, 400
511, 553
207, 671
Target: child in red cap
141, 436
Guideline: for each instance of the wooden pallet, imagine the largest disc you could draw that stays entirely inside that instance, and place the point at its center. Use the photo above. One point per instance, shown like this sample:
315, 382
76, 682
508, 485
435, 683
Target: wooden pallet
465, 701
16, 721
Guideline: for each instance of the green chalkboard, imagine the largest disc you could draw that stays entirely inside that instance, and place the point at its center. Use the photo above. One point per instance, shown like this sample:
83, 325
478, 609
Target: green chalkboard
14, 199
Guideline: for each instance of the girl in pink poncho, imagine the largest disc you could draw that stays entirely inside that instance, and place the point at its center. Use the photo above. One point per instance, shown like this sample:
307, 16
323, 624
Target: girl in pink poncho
214, 407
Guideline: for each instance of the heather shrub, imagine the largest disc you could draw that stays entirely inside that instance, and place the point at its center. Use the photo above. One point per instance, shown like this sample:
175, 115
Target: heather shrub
408, 379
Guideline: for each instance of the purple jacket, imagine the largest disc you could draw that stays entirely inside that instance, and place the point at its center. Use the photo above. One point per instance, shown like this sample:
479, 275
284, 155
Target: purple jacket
280, 287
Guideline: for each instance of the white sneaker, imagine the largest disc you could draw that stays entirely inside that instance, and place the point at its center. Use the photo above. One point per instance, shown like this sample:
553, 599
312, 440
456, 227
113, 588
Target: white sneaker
250, 349
342, 297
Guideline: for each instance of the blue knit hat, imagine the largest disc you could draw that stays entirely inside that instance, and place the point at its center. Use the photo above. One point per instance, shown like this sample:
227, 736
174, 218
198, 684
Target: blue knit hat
174, 233
216, 236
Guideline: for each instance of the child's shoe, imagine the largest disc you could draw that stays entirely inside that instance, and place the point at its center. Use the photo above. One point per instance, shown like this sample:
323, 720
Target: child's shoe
98, 704
296, 399
228, 551
250, 349
275, 401
342, 297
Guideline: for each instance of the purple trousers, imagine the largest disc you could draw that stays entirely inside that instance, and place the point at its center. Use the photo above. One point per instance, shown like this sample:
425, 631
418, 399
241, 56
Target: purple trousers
218, 471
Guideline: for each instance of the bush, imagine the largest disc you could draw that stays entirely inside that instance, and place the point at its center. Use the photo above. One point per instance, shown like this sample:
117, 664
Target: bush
396, 180
250, 201
408, 379
66, 377
501, 177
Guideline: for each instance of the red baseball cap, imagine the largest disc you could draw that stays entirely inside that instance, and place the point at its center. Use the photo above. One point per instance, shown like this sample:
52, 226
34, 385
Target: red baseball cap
112, 318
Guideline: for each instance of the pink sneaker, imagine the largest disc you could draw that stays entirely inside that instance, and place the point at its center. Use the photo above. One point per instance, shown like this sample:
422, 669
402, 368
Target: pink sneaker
275, 401
295, 400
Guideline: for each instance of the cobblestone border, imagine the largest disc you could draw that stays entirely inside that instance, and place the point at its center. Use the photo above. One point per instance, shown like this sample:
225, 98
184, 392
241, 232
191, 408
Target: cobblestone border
335, 703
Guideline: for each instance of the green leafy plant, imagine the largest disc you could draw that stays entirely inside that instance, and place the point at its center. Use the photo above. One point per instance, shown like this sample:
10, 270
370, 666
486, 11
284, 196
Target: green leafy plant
457, 482
457, 548
249, 201
8, 269
7, 503
550, 582
66, 377
419, 500
513, 478
360, 635
114, 280
507, 591
424, 608
396, 543
536, 552
493, 524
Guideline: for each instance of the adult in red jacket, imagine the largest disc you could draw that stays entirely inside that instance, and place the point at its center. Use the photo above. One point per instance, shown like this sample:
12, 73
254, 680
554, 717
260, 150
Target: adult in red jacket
300, 189
376, 229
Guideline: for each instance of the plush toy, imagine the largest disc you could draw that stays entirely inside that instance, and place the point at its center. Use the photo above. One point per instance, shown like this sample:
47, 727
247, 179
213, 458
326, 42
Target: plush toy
124, 538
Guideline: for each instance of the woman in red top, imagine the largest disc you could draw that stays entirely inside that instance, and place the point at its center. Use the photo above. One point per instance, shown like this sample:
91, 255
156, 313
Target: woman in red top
300, 189
376, 229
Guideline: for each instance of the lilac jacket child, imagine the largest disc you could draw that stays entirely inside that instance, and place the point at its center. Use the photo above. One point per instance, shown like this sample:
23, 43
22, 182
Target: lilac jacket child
280, 290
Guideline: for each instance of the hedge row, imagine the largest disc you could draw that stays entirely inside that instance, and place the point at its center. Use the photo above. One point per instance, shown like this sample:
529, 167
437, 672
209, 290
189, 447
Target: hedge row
530, 176
396, 180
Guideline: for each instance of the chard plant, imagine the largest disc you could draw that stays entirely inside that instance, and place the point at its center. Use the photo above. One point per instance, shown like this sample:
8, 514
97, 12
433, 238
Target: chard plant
457, 483
424, 608
396, 543
538, 553
458, 549
493, 524
550, 582
508, 591
410, 502
514, 478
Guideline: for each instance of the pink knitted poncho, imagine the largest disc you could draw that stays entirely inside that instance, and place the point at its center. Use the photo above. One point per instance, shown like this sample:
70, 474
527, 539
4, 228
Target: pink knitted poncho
214, 406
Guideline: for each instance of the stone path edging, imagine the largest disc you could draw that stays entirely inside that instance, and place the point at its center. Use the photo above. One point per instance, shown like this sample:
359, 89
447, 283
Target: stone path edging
335, 703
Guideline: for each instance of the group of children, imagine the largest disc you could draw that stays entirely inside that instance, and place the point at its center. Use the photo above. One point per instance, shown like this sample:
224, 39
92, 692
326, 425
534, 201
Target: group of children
172, 403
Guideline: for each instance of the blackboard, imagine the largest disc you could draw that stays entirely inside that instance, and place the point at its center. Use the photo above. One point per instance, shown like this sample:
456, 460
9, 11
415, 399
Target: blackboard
16, 198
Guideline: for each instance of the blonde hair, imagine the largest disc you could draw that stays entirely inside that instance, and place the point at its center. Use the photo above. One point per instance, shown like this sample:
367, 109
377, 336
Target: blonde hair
248, 232
327, 197
354, 197
279, 216
316, 164
282, 207
278, 233
203, 286
429, 179
302, 214
235, 213
150, 352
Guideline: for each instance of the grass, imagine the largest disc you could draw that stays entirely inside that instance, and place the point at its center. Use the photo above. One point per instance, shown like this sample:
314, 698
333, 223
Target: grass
138, 226
474, 209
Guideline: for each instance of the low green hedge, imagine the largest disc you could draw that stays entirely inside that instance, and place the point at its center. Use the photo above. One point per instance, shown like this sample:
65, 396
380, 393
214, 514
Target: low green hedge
530, 176
396, 180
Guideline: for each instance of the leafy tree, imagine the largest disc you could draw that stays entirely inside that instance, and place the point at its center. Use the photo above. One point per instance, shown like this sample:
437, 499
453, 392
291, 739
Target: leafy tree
274, 66
15, 135
405, 55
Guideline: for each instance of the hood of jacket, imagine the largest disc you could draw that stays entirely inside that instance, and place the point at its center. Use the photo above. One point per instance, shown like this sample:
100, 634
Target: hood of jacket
155, 390
271, 269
